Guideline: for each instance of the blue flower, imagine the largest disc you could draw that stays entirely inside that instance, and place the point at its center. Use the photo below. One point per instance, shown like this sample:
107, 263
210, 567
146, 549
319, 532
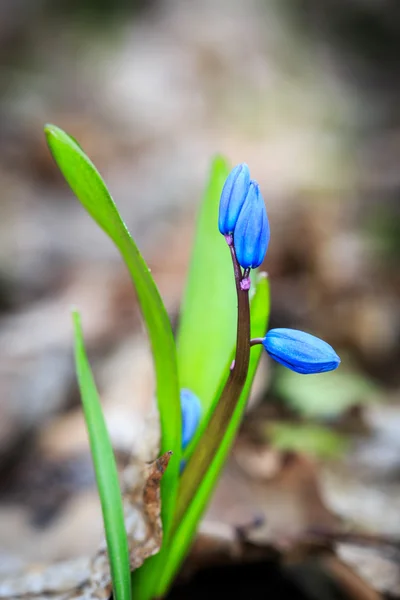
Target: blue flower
300, 351
251, 234
191, 415
233, 196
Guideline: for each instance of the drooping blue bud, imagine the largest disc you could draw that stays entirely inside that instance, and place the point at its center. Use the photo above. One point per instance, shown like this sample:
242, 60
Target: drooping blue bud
300, 351
191, 415
251, 234
233, 196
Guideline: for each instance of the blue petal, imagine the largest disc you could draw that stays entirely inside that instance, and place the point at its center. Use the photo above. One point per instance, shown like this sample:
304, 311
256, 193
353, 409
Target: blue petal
233, 196
300, 351
191, 415
251, 234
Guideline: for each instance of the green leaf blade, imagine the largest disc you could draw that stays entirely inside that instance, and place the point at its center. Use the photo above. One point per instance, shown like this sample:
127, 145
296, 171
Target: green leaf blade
88, 186
208, 315
105, 470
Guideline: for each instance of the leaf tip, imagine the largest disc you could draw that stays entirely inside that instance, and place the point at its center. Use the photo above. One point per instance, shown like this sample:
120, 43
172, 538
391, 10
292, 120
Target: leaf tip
262, 275
55, 134
219, 161
76, 318
51, 130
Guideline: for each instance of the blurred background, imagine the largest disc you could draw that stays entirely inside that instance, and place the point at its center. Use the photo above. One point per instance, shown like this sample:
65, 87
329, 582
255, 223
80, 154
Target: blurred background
307, 93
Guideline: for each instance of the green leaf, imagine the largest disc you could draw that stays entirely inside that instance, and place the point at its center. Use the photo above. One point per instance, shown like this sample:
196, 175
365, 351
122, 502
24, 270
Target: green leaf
204, 316
208, 315
183, 536
87, 184
307, 438
105, 470
323, 395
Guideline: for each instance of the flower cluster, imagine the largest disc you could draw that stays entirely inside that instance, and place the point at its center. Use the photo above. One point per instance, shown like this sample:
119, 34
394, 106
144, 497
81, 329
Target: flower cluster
243, 218
244, 223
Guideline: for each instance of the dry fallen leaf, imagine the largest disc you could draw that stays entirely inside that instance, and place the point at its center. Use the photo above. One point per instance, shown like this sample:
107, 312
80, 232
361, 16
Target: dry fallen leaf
89, 579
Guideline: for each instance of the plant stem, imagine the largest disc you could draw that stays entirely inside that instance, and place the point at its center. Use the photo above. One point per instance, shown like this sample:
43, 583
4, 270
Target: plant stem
256, 341
203, 455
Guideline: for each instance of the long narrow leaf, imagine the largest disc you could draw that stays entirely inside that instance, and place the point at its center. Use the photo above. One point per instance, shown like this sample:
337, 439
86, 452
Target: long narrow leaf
105, 470
183, 536
208, 314
88, 186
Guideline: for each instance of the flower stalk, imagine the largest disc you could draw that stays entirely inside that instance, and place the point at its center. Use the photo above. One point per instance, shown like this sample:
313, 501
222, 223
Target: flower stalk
201, 458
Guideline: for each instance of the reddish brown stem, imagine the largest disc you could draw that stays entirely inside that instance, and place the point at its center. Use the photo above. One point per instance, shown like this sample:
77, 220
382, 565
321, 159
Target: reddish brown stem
256, 341
205, 450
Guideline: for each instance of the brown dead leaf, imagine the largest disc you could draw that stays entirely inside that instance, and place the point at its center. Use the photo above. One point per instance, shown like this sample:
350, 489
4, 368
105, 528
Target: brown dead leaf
90, 579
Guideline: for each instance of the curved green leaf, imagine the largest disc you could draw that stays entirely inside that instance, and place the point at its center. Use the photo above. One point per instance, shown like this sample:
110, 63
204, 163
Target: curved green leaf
88, 186
208, 315
105, 470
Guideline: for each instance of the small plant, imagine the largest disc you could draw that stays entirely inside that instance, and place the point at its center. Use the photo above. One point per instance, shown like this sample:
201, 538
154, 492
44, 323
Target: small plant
203, 378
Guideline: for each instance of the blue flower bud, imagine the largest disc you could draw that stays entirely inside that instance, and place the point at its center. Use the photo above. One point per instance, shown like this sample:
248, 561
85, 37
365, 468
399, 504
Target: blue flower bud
191, 415
300, 351
251, 234
233, 196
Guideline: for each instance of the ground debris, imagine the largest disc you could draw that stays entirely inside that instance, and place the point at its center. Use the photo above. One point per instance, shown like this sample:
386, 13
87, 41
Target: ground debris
381, 569
89, 579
